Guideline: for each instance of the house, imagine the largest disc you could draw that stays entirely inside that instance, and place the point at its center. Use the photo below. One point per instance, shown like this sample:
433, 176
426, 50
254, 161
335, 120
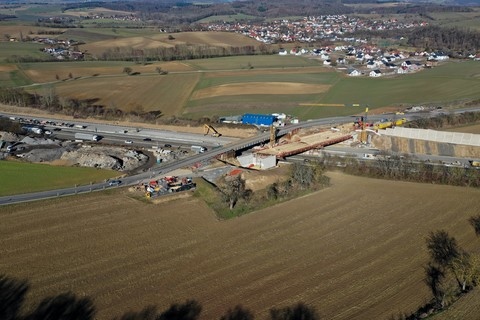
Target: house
324, 56
441, 56
282, 52
406, 64
402, 70
371, 64
327, 62
354, 73
375, 73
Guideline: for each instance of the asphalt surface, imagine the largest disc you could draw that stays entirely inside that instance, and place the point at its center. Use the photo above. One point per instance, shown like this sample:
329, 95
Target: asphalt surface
188, 162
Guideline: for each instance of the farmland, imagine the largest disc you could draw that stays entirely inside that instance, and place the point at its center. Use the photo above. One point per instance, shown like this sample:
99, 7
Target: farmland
235, 85
156, 92
18, 177
354, 251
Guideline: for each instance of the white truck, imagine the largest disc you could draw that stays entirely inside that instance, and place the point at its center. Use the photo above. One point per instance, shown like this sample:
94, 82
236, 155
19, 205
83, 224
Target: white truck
198, 149
86, 136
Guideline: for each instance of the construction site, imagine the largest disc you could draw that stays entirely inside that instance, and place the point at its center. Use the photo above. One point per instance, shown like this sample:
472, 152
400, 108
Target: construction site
387, 135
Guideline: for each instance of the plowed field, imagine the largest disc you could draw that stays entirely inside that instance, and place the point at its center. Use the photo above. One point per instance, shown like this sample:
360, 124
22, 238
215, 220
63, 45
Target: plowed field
355, 250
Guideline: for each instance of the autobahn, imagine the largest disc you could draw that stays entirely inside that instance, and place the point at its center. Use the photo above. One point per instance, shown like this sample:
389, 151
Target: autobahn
203, 157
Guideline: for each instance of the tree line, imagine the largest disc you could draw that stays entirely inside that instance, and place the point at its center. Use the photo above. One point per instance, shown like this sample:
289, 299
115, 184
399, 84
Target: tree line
405, 169
447, 120
181, 52
446, 39
431, 38
451, 271
68, 306
50, 101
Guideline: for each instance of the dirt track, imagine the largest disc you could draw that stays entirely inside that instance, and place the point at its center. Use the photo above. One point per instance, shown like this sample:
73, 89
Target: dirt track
355, 250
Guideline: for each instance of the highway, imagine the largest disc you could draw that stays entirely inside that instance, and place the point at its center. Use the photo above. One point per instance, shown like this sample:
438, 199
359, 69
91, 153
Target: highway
240, 144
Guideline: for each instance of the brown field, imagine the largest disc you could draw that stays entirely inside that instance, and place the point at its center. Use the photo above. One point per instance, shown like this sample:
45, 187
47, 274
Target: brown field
39, 74
8, 68
233, 89
95, 11
219, 39
354, 251
156, 92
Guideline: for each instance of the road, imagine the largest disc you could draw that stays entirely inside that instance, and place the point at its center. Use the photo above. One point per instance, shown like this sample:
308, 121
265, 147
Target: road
188, 162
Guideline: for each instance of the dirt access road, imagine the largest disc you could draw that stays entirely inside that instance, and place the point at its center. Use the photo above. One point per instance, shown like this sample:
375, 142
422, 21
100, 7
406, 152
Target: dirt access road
354, 251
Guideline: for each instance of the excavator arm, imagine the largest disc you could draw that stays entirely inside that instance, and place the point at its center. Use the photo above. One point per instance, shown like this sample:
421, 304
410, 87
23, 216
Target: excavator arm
207, 128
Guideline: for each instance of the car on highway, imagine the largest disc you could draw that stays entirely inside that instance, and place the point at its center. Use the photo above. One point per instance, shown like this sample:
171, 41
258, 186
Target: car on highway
128, 141
147, 139
168, 145
113, 183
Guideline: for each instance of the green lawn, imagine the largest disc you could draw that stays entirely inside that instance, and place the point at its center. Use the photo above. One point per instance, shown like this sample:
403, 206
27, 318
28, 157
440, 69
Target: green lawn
21, 49
19, 177
449, 82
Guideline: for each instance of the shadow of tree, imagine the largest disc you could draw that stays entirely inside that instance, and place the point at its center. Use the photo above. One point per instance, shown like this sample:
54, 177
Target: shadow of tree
12, 296
190, 310
66, 306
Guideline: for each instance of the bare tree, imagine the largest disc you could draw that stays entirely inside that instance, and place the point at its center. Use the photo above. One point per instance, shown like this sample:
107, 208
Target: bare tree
442, 248
127, 70
475, 222
234, 189
466, 269
303, 175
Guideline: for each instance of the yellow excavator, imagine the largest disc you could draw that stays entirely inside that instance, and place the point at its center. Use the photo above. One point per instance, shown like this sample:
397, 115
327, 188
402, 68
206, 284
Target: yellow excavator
207, 128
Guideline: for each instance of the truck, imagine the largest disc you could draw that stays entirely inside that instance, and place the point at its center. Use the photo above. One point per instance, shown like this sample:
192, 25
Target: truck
86, 136
198, 149
35, 130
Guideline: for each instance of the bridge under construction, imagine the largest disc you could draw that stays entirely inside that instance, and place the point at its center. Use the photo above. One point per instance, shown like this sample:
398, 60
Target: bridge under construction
294, 143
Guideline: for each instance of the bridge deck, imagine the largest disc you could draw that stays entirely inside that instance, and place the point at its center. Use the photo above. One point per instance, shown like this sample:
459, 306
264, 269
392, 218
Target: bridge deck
305, 143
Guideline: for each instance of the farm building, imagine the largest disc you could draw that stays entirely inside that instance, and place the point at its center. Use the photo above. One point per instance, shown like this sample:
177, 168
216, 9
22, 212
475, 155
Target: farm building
258, 119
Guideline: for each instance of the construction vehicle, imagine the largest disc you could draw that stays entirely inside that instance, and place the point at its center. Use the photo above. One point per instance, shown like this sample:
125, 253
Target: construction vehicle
207, 128
474, 163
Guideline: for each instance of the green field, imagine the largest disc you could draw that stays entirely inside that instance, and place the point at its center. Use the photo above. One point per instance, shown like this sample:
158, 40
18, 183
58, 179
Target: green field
21, 49
450, 82
19, 177
447, 83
